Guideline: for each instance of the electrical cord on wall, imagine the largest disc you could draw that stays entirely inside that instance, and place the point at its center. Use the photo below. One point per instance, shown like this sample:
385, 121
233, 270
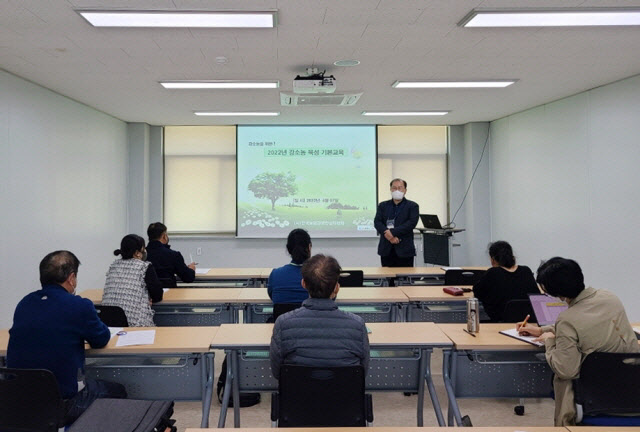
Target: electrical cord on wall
452, 224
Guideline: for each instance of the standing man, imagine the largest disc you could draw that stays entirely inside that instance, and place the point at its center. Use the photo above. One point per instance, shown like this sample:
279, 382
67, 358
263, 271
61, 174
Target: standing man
168, 263
395, 221
50, 327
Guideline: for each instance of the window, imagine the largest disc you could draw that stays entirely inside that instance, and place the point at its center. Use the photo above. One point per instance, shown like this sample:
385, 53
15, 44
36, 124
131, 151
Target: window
417, 154
200, 178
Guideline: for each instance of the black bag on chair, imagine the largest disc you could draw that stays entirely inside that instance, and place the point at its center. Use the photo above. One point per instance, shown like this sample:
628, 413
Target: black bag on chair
246, 399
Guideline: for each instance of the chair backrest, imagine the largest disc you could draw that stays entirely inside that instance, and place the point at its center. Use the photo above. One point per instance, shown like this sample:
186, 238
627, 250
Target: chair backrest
321, 396
517, 310
282, 308
112, 316
351, 278
462, 277
609, 383
30, 401
168, 282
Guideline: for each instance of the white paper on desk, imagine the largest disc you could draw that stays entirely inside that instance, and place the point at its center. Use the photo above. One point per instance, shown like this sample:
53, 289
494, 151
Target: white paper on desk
114, 330
451, 268
140, 337
514, 334
164, 290
202, 270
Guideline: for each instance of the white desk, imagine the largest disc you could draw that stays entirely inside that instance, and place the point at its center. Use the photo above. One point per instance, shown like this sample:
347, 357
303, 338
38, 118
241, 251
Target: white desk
491, 365
178, 366
394, 346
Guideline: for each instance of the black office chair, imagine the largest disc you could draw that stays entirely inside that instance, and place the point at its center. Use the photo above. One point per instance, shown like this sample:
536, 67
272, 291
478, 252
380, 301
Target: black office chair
112, 316
517, 310
30, 401
321, 397
283, 308
607, 391
351, 278
462, 277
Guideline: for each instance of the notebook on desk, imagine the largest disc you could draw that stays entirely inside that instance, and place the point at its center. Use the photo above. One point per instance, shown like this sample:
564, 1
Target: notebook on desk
546, 308
430, 221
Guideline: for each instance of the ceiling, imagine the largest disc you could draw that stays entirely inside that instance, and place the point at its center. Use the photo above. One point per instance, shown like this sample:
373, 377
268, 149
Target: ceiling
117, 70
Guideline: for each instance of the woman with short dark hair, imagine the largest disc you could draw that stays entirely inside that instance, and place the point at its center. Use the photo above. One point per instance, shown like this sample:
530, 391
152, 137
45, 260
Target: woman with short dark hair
504, 281
132, 283
284, 286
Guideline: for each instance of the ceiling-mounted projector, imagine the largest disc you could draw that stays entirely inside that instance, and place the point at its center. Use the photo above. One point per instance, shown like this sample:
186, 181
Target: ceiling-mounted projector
314, 82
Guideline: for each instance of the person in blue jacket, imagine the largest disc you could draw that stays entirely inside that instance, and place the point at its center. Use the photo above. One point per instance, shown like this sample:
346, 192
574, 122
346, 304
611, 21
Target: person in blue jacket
50, 327
285, 283
395, 220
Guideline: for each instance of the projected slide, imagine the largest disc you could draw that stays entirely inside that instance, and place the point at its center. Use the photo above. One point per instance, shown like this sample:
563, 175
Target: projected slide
320, 178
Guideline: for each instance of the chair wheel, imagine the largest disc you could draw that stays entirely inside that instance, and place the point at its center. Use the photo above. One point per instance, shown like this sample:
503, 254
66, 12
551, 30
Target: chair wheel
466, 421
519, 410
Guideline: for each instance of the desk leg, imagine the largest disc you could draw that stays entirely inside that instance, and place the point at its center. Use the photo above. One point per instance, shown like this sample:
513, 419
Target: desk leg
432, 389
226, 395
247, 317
422, 370
448, 366
207, 366
235, 388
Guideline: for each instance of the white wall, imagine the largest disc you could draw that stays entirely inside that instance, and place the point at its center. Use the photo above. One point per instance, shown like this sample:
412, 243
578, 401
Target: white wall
565, 180
466, 145
63, 170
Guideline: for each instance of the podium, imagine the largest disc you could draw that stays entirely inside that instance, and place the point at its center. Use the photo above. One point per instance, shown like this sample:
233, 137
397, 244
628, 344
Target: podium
436, 244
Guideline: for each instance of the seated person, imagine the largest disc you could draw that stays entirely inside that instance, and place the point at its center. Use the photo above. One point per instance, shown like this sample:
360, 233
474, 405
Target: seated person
318, 333
594, 321
50, 327
167, 263
285, 283
504, 281
132, 283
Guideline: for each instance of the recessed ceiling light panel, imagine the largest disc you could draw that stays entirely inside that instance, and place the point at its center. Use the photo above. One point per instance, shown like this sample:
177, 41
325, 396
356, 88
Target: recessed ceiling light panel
347, 63
240, 113
404, 113
454, 84
534, 17
229, 19
220, 84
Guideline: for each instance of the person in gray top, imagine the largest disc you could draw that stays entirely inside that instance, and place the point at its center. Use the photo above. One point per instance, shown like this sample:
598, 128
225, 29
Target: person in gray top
318, 333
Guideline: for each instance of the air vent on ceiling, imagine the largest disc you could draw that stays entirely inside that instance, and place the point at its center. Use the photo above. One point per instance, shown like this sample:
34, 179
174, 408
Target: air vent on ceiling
292, 99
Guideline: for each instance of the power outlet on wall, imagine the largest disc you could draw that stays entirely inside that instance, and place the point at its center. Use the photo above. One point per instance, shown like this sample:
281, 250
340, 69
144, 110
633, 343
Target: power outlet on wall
199, 251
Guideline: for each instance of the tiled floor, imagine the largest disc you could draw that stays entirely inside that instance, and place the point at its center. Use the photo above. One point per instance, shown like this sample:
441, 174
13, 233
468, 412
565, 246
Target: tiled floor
390, 409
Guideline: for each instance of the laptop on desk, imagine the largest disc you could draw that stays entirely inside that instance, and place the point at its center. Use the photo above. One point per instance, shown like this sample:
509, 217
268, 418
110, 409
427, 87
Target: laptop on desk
546, 308
431, 221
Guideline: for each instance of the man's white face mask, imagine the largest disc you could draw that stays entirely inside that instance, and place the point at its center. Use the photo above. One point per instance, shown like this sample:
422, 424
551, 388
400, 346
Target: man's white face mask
397, 195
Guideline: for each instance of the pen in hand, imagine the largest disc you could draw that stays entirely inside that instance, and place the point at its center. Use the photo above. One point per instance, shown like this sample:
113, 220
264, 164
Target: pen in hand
524, 323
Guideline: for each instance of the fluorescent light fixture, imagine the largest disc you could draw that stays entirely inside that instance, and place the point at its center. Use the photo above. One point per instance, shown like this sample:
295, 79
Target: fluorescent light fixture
155, 18
453, 84
404, 113
220, 84
240, 113
556, 17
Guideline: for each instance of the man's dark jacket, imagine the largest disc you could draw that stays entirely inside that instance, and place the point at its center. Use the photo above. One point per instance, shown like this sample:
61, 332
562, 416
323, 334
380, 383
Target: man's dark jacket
405, 215
168, 263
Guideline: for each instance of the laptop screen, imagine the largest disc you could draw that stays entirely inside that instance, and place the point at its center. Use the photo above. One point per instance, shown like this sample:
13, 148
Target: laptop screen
430, 221
546, 308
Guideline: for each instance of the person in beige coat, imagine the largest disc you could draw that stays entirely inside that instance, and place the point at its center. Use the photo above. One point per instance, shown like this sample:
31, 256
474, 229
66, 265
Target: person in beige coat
595, 321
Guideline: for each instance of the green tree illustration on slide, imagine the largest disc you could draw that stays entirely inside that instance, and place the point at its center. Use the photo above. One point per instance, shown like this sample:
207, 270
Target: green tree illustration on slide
273, 186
